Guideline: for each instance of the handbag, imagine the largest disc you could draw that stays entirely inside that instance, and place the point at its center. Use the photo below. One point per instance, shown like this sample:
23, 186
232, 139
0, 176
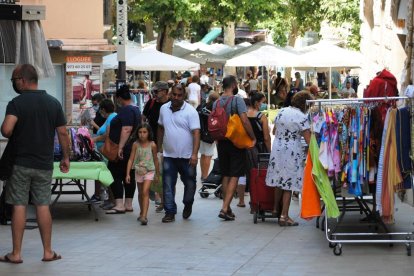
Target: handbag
110, 150
237, 134
7, 161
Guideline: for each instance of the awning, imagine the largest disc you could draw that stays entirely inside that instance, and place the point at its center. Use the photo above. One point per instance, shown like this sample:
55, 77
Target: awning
24, 42
249, 35
96, 45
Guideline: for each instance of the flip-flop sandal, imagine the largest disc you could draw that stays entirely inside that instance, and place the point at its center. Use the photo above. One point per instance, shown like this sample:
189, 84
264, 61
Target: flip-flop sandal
129, 210
6, 259
287, 222
114, 212
241, 205
54, 258
225, 216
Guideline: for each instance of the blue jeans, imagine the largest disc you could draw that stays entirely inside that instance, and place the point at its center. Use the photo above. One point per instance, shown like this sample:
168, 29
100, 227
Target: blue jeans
188, 174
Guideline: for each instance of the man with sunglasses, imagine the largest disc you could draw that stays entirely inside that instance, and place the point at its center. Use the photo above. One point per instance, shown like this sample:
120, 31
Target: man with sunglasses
179, 140
152, 107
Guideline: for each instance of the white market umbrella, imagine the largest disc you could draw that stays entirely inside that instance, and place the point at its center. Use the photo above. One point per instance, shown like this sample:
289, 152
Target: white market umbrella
149, 59
326, 55
202, 57
265, 54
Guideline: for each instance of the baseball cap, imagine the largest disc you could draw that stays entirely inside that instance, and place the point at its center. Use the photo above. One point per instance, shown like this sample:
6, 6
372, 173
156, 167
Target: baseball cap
160, 85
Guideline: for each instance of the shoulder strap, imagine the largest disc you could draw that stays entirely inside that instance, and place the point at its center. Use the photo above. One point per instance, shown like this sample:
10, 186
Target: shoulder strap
259, 115
227, 102
151, 104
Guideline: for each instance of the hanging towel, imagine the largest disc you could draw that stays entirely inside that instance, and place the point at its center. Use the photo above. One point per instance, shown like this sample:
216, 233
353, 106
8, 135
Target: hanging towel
322, 181
381, 165
392, 175
403, 134
311, 203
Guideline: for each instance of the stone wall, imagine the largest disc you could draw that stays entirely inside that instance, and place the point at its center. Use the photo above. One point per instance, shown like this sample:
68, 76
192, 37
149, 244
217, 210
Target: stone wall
382, 41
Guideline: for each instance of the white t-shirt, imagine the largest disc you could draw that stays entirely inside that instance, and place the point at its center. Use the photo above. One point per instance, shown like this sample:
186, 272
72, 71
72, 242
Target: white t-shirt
194, 92
349, 91
242, 94
204, 79
178, 127
253, 84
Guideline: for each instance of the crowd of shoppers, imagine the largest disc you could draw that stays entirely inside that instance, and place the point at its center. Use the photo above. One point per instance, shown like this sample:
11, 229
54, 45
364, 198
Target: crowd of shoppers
155, 146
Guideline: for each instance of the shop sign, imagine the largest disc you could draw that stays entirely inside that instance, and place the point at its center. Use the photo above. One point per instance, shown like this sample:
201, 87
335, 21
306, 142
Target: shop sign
78, 64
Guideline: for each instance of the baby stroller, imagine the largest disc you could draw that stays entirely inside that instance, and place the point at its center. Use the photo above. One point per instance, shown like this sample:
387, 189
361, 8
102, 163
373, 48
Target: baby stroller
212, 182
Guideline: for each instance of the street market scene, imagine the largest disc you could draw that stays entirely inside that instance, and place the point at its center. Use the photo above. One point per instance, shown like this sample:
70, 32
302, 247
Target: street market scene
222, 137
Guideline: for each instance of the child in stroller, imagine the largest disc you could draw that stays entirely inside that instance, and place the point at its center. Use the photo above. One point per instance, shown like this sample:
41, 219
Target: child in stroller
212, 182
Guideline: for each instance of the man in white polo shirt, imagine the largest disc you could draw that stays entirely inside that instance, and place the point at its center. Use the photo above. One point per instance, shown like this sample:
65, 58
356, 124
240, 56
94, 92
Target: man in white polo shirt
179, 140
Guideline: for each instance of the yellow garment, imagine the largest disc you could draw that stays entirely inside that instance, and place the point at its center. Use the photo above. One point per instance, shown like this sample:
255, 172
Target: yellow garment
392, 175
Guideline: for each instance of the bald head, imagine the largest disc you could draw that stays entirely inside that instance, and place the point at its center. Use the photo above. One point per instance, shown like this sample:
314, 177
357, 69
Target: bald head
25, 77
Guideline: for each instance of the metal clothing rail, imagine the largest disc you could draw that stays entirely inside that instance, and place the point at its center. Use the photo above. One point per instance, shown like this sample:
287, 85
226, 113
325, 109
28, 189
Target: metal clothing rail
336, 239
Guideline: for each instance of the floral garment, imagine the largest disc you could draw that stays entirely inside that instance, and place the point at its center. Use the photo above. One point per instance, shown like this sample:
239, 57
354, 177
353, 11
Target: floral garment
287, 158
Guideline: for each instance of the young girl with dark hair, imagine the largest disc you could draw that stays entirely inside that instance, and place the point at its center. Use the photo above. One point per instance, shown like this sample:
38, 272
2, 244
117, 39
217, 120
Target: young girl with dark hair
144, 159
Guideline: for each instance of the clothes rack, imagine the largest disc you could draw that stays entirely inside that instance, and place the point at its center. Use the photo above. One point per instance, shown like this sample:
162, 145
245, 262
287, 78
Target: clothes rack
331, 226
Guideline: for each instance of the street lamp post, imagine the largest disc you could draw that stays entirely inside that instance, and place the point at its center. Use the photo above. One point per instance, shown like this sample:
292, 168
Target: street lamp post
121, 30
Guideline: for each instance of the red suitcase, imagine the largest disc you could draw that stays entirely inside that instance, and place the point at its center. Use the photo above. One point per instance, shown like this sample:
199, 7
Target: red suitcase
261, 195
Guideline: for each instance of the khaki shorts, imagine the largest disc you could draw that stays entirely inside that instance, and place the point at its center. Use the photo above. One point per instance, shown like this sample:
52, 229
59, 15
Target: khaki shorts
26, 180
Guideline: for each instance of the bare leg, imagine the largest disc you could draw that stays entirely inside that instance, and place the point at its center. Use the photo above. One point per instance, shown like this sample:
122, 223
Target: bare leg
144, 197
44, 220
128, 203
17, 226
278, 198
140, 196
230, 189
241, 189
224, 184
205, 162
287, 195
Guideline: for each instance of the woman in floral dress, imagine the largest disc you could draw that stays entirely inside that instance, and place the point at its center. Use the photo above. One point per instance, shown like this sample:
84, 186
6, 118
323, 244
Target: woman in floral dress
286, 165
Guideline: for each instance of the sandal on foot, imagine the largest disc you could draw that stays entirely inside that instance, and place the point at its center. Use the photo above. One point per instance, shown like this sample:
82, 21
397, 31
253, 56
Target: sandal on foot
143, 221
225, 215
6, 259
287, 222
241, 205
115, 212
230, 213
55, 257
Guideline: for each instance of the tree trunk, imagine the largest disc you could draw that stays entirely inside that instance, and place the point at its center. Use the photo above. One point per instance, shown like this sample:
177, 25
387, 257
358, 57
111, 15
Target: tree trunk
164, 44
149, 31
230, 39
291, 42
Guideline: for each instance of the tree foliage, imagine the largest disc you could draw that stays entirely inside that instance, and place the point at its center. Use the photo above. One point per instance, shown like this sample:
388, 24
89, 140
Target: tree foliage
295, 17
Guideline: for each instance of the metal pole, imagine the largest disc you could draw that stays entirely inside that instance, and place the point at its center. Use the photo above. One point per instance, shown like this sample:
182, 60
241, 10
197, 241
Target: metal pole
330, 83
358, 99
122, 25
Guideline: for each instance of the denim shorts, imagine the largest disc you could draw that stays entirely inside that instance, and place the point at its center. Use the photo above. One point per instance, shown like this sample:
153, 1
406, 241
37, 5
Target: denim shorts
26, 180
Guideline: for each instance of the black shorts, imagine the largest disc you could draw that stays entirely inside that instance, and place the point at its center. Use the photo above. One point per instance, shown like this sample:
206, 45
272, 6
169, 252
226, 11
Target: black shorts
232, 160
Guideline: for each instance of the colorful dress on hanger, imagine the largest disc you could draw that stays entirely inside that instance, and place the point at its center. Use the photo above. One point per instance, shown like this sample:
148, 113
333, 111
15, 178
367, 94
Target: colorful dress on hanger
287, 158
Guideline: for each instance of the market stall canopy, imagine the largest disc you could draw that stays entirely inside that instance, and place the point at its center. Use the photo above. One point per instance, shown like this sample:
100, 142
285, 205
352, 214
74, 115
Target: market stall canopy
265, 54
149, 59
202, 57
327, 55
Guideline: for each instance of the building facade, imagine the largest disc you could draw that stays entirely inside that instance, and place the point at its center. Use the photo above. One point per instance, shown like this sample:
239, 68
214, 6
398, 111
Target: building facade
384, 37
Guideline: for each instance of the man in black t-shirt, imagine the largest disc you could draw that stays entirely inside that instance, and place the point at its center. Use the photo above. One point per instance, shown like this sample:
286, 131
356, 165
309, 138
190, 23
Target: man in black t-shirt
151, 114
152, 107
30, 124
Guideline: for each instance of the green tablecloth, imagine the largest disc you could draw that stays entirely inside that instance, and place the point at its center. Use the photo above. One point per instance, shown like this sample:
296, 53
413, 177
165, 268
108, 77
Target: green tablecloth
85, 170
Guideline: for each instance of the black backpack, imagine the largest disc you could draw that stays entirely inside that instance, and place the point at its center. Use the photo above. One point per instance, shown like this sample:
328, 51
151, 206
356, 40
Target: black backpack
205, 135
